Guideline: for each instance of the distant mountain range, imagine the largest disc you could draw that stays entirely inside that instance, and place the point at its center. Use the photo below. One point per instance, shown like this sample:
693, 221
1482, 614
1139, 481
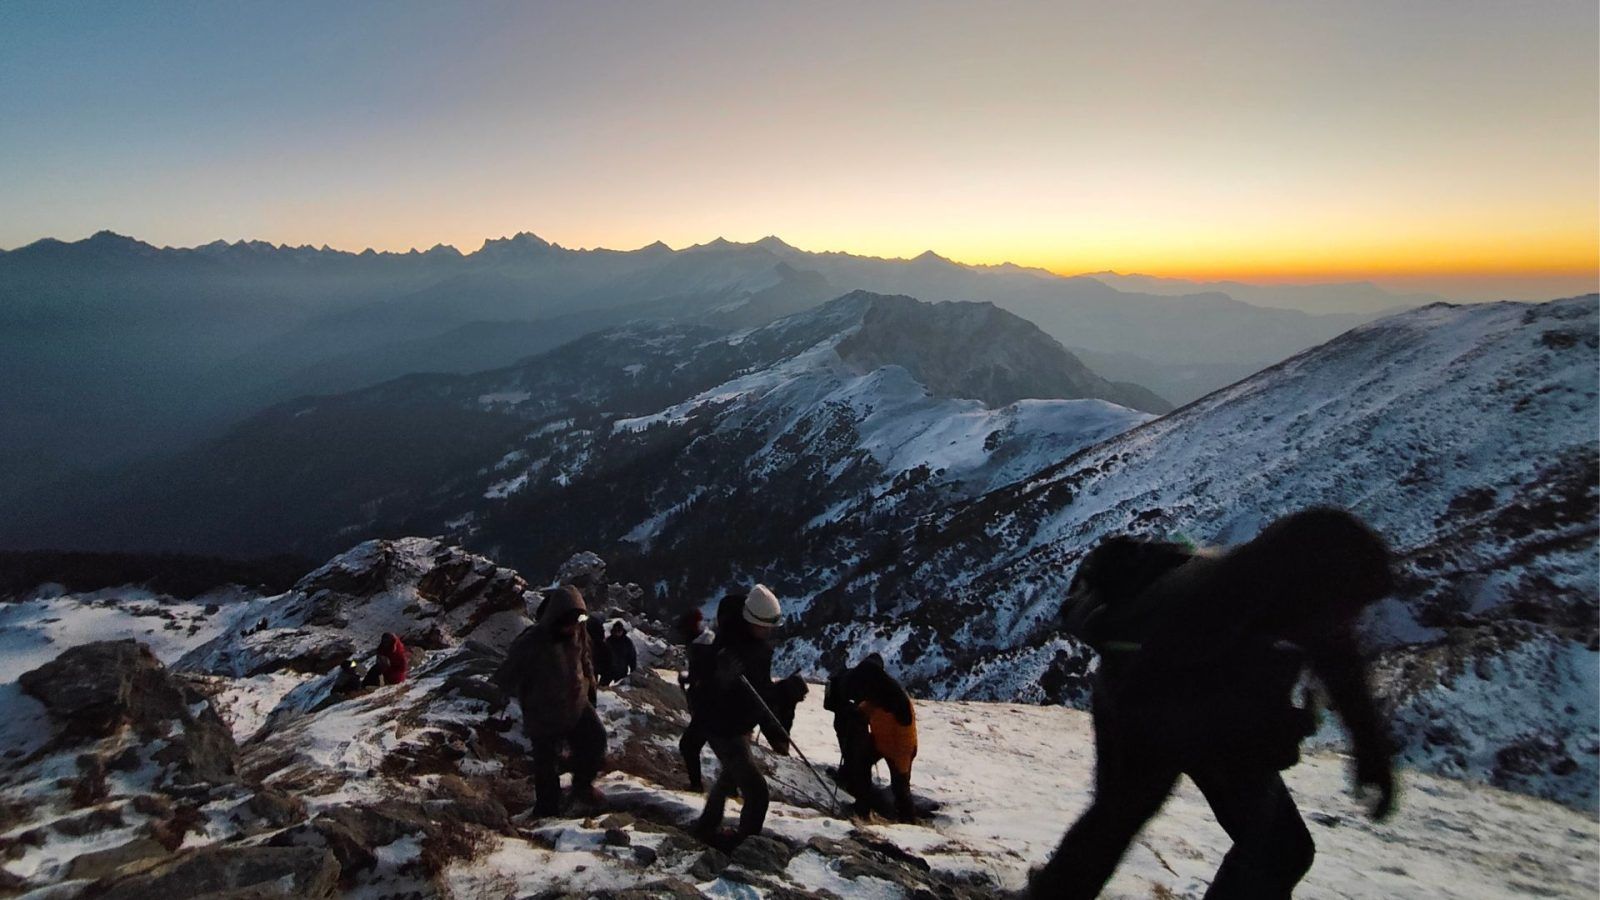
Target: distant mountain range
112, 349
1343, 297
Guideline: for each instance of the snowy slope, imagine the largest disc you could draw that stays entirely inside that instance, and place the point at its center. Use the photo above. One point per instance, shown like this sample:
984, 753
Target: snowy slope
420, 790
810, 455
1464, 434
654, 441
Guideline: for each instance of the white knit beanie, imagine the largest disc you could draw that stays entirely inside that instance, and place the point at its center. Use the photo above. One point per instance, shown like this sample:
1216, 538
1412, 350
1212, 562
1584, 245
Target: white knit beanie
761, 607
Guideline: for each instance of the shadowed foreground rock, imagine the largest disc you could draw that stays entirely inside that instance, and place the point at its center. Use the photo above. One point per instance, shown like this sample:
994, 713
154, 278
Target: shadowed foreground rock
95, 690
235, 872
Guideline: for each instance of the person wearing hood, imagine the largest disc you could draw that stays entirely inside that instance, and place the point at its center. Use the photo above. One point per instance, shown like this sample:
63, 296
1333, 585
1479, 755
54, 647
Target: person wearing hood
1200, 654
700, 655
549, 668
874, 719
392, 664
605, 667
624, 655
732, 697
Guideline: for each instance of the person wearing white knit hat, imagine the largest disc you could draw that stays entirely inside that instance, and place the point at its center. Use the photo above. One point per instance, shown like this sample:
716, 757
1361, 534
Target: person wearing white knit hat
761, 610
734, 697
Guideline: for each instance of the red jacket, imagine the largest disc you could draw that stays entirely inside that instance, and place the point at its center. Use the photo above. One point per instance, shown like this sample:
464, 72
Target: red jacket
393, 662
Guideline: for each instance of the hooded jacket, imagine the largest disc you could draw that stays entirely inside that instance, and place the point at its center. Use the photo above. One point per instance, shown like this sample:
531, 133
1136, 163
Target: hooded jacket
393, 663
553, 678
885, 709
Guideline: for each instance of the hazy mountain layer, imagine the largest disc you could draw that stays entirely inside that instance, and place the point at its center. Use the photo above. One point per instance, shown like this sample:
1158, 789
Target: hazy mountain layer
792, 446
111, 348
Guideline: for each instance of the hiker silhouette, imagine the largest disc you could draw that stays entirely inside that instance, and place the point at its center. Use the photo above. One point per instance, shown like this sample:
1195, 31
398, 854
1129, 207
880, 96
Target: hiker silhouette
1200, 654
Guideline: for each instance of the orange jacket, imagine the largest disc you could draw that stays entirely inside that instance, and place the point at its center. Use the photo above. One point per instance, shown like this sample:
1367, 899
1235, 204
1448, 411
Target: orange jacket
897, 743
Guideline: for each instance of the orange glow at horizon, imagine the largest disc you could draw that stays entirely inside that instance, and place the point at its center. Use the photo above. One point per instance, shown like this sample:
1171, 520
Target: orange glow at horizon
1438, 141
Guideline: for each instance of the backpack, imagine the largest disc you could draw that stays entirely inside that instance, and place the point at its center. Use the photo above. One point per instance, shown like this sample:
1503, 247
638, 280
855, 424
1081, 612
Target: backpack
1102, 608
1201, 654
702, 664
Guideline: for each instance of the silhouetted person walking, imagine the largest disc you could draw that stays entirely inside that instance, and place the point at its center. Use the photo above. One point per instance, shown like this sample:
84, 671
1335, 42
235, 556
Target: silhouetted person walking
1199, 658
624, 655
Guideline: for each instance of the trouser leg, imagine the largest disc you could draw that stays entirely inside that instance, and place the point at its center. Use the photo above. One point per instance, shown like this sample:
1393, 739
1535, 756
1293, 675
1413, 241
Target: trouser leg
690, 745
858, 758
1272, 849
738, 771
546, 775
753, 793
900, 785
1129, 789
717, 797
588, 742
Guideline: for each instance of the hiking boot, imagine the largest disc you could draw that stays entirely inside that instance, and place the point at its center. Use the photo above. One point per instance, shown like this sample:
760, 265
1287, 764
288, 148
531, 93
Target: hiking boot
719, 838
587, 798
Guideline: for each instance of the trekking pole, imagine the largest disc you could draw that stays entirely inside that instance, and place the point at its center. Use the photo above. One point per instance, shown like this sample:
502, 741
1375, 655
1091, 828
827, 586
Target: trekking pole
790, 739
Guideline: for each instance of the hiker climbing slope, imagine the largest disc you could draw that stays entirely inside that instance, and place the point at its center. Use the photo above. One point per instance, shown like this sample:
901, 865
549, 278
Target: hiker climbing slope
731, 699
624, 655
1200, 655
700, 652
550, 670
874, 720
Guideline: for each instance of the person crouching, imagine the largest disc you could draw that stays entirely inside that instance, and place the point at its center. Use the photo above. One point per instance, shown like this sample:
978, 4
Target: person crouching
873, 718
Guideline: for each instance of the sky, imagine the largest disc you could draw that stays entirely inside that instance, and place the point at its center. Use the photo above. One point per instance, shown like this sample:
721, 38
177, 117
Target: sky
1445, 146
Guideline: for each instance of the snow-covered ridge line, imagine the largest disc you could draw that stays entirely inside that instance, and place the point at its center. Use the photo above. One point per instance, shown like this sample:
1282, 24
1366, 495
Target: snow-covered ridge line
1463, 434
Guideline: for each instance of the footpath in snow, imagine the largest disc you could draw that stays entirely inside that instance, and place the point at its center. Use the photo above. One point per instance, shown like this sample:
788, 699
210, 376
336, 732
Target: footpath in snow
1011, 778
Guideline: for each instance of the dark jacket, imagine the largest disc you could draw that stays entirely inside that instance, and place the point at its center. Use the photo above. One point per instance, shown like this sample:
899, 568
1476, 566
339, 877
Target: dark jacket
1201, 655
552, 678
605, 668
721, 699
624, 655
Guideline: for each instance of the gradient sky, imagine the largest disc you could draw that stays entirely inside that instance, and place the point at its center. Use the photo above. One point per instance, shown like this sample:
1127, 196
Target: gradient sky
1451, 146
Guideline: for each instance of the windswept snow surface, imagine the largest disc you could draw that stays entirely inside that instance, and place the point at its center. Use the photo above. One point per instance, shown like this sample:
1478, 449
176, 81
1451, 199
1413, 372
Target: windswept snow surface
1010, 778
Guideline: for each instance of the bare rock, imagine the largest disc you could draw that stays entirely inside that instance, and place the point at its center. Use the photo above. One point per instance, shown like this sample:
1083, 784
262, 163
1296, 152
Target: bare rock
300, 872
760, 853
136, 855
95, 690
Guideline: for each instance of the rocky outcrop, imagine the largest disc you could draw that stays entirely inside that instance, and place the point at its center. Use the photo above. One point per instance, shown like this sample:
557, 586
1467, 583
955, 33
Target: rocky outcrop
95, 691
234, 872
586, 571
432, 594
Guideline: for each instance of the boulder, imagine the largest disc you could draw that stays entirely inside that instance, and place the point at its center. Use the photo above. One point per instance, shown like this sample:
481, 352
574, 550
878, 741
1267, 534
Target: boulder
301, 872
277, 808
96, 690
136, 855
354, 833
583, 571
760, 853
